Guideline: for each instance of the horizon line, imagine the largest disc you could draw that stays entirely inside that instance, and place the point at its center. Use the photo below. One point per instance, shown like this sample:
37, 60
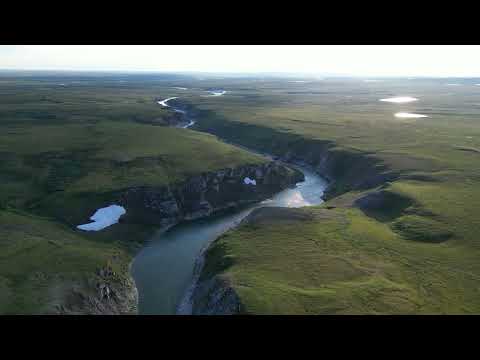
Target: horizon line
278, 73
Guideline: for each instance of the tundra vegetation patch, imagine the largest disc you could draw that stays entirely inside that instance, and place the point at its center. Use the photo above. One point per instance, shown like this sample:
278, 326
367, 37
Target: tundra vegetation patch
403, 204
66, 150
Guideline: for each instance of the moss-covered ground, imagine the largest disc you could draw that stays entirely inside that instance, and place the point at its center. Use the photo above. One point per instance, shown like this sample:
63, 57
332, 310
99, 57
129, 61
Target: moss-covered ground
416, 253
67, 143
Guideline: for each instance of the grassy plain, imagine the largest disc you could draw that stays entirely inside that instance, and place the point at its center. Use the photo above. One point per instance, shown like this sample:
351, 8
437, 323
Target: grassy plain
416, 254
67, 143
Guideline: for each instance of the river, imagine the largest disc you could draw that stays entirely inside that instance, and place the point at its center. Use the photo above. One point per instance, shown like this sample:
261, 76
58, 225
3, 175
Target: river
164, 269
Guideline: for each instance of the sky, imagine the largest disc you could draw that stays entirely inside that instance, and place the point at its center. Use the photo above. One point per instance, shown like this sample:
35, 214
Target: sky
349, 60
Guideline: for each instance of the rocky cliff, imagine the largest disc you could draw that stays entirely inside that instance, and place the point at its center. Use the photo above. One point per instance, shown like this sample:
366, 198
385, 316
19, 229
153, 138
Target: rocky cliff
345, 169
102, 293
215, 296
207, 193
107, 292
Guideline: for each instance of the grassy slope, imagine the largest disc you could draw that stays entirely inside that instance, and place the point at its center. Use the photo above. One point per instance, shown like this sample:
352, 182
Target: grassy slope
421, 257
40, 257
63, 150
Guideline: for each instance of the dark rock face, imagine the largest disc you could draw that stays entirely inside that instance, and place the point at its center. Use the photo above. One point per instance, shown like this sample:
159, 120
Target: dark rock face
346, 169
216, 297
104, 293
207, 193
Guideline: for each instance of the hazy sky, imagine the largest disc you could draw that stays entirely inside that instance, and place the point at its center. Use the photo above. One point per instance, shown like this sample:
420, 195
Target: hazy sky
379, 60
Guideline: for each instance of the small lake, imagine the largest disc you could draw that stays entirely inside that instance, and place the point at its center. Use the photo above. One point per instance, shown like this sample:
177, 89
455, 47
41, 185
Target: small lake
399, 99
406, 115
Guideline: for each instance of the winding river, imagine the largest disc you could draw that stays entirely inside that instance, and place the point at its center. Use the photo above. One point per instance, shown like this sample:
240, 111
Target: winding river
164, 269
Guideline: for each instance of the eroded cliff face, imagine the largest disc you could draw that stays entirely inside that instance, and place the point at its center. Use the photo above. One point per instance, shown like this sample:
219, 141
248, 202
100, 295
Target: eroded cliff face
102, 293
215, 296
106, 292
345, 170
207, 193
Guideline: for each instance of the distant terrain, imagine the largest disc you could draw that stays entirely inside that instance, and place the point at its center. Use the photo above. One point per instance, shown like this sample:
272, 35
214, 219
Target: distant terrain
398, 234
67, 147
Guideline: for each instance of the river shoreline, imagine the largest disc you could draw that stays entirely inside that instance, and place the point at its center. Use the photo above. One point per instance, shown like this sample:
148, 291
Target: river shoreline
339, 170
183, 305
205, 224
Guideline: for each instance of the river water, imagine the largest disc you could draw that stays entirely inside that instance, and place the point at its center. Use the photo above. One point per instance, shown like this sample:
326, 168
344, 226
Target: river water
164, 269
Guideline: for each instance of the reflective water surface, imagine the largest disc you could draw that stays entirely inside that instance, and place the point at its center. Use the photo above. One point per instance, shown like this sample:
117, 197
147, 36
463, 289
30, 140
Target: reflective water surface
163, 269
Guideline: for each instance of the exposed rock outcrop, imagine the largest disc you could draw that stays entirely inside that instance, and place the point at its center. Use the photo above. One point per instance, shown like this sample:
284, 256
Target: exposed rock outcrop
102, 293
215, 296
346, 169
207, 193
199, 196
